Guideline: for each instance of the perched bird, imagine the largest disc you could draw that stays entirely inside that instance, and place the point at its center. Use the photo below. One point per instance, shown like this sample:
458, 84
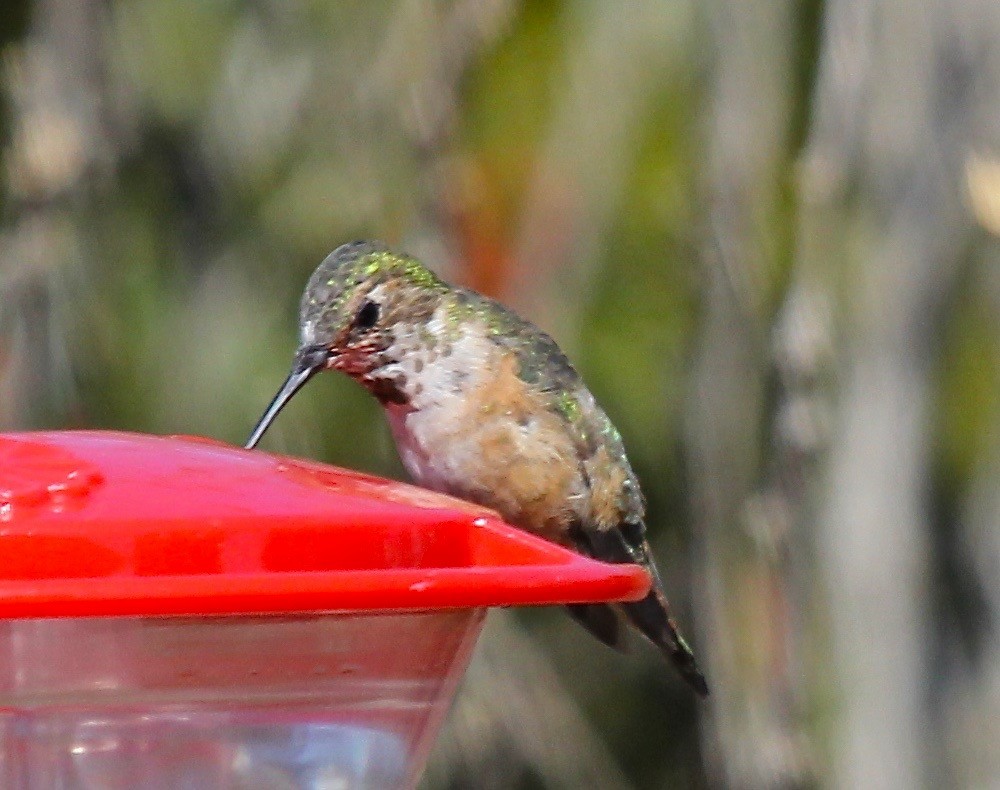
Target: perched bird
484, 406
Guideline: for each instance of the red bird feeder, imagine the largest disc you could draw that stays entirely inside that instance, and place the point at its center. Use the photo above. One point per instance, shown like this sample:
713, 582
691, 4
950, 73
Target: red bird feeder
175, 612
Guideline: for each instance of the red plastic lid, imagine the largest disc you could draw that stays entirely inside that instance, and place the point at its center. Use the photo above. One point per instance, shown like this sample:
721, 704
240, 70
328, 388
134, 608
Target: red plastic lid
100, 523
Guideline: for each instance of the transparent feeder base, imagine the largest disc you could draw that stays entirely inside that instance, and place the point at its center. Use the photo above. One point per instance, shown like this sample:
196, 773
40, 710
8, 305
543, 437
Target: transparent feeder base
327, 701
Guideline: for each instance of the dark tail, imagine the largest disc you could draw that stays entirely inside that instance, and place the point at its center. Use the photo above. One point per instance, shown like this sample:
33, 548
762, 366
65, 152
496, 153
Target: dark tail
602, 620
652, 617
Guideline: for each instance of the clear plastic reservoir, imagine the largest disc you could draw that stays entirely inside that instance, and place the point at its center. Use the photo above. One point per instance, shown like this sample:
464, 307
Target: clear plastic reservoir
323, 701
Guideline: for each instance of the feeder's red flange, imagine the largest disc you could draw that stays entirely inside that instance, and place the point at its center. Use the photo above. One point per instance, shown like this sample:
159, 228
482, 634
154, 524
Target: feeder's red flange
101, 523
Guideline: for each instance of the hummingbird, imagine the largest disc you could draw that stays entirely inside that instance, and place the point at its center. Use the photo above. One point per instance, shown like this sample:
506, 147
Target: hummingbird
484, 406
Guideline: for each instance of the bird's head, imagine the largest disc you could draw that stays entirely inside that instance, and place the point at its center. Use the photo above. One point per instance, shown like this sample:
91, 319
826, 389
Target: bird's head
357, 303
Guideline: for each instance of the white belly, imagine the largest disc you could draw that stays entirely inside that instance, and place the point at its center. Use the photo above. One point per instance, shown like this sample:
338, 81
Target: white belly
433, 452
436, 443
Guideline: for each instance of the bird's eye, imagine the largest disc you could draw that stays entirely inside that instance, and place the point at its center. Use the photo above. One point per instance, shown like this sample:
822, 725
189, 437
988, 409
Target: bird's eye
367, 316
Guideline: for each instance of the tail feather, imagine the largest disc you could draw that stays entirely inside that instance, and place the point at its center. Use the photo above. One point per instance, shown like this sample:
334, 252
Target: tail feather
602, 621
651, 616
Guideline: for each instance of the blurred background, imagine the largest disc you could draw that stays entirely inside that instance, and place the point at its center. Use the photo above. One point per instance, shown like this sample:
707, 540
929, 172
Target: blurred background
767, 233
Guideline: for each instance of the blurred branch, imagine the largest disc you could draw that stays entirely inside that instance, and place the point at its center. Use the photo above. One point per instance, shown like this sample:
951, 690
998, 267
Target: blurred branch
60, 148
746, 594
578, 181
896, 166
426, 57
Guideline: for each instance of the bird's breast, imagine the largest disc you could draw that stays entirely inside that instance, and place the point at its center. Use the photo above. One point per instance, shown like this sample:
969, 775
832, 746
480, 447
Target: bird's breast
494, 442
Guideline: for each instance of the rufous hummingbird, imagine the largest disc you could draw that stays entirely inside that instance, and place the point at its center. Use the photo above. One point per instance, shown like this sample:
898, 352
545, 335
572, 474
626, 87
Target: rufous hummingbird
484, 406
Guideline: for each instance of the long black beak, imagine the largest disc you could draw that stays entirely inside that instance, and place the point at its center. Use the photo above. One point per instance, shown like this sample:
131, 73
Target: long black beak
308, 362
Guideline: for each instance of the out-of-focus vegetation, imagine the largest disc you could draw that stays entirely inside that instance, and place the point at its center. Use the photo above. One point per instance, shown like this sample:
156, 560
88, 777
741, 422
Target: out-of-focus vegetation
766, 232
